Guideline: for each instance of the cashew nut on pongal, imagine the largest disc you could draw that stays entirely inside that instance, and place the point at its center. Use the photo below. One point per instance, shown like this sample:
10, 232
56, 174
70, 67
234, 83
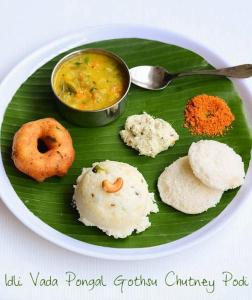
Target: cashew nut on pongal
112, 187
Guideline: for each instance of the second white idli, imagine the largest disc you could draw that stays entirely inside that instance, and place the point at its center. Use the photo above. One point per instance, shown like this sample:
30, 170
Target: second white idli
216, 164
179, 188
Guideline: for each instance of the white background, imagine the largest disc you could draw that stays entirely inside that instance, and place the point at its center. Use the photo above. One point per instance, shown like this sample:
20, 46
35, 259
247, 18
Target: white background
223, 26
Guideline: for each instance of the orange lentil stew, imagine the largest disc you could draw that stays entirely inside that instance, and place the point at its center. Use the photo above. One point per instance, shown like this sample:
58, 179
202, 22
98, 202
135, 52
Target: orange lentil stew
90, 81
208, 115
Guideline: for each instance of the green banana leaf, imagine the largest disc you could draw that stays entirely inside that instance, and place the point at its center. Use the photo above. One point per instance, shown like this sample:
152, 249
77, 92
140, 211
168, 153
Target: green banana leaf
51, 200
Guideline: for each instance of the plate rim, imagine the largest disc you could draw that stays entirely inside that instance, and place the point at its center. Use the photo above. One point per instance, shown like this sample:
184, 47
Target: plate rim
90, 34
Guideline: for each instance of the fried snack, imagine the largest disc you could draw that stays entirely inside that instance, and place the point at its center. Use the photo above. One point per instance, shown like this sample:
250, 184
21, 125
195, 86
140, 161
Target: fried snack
54, 159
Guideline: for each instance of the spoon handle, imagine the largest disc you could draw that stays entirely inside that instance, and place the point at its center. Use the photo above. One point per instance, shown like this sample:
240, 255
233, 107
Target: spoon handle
241, 71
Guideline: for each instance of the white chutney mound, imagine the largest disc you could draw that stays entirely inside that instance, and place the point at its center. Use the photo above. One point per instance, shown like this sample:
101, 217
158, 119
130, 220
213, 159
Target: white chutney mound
216, 164
179, 188
148, 135
120, 213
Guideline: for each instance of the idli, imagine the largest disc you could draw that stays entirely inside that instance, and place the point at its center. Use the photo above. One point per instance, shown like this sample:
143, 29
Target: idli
114, 197
147, 135
179, 188
216, 164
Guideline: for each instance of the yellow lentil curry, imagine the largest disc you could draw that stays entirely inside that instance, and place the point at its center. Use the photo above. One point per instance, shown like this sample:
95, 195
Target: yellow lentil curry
90, 81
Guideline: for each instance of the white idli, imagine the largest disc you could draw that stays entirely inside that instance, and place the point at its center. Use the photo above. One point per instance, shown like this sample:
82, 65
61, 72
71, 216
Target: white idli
216, 164
118, 213
148, 135
179, 188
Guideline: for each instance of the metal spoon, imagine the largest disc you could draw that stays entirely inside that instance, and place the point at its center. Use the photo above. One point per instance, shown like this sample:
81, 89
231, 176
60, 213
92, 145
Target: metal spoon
157, 78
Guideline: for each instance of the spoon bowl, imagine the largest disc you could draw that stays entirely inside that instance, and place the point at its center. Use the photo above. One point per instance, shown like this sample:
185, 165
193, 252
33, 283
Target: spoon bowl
151, 77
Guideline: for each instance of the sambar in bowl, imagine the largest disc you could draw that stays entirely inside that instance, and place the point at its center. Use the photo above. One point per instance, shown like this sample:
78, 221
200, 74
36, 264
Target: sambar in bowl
91, 86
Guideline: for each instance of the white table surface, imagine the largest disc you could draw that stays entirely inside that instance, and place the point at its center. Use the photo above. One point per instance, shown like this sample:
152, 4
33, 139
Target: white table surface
223, 26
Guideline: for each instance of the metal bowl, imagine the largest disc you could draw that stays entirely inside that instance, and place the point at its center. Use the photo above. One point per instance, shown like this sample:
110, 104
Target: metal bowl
92, 118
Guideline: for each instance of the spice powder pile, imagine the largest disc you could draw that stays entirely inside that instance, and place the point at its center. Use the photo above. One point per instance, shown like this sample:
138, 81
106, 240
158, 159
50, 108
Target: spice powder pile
208, 115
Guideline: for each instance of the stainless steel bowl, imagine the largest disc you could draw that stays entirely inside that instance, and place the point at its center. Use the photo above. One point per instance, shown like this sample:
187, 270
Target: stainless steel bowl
92, 118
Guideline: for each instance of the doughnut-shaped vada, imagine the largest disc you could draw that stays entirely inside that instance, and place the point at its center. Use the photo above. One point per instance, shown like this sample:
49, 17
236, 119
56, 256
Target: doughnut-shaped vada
58, 155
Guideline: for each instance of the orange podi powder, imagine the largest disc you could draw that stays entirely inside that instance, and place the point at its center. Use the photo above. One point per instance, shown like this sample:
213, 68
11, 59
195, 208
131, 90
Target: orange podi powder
208, 115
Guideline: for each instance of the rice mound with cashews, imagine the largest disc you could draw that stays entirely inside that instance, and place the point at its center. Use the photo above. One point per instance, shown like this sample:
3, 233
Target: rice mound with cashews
114, 197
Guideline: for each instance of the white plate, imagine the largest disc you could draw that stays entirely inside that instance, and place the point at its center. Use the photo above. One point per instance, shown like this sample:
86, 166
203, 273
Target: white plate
20, 73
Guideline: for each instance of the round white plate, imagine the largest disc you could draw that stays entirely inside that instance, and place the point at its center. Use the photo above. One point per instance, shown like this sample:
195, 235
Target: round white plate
20, 73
